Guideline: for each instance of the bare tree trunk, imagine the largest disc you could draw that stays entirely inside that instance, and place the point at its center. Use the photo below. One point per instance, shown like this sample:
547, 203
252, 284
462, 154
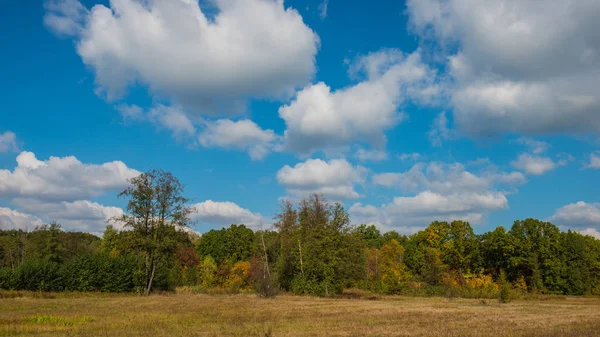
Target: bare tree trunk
262, 237
12, 263
301, 267
149, 287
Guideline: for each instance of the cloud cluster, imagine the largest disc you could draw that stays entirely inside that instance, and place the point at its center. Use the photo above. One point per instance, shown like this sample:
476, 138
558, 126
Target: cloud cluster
63, 178
82, 215
11, 219
320, 118
242, 135
517, 66
582, 216
438, 191
65, 17
594, 162
535, 165
335, 178
225, 213
55, 190
212, 58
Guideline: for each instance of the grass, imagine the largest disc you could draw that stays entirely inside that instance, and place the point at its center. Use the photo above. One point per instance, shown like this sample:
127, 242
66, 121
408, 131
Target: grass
248, 315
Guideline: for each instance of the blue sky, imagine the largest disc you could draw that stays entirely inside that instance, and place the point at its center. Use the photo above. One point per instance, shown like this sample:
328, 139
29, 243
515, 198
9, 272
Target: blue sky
405, 112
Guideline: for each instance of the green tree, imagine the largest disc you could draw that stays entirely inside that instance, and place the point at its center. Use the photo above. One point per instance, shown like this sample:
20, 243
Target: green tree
156, 208
370, 235
394, 275
235, 243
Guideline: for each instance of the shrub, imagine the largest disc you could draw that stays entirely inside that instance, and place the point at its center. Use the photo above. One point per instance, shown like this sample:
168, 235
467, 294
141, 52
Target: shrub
36, 275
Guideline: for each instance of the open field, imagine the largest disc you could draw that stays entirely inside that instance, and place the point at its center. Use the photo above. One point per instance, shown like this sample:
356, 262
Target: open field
248, 315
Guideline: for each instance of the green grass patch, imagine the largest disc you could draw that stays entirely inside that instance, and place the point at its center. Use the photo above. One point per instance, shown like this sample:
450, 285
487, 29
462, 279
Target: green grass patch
59, 320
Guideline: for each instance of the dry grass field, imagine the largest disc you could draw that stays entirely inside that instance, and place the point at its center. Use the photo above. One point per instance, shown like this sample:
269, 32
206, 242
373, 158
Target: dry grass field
248, 315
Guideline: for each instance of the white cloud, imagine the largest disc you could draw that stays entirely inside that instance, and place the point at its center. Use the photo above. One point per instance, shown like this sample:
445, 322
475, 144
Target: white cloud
8, 142
593, 232
520, 66
11, 219
447, 178
80, 215
335, 179
131, 112
224, 214
536, 146
371, 155
64, 17
62, 178
242, 135
594, 160
440, 131
406, 214
581, 216
172, 118
578, 215
213, 59
439, 191
321, 119
535, 165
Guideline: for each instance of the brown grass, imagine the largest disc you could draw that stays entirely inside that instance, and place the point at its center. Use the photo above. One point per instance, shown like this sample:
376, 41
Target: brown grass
248, 315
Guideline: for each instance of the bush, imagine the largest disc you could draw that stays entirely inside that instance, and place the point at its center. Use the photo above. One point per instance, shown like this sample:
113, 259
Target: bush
6, 278
36, 275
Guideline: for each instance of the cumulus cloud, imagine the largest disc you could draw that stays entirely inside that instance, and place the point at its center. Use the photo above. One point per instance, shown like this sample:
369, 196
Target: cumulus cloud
409, 213
241, 135
211, 59
335, 178
439, 191
131, 112
63, 178
217, 213
517, 66
536, 165
593, 232
8, 142
594, 162
446, 178
173, 119
65, 17
580, 216
11, 219
320, 119
80, 215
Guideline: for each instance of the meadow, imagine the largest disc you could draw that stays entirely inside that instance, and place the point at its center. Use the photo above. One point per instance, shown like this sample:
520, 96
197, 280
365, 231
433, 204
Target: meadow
68, 314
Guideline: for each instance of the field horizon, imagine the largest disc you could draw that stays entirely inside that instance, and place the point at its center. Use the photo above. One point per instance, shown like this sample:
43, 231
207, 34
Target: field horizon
89, 314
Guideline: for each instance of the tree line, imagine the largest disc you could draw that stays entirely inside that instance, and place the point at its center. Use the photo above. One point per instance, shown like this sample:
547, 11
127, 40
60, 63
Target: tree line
312, 249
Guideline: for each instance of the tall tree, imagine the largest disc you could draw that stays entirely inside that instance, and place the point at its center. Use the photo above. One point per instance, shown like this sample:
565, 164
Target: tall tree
156, 208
